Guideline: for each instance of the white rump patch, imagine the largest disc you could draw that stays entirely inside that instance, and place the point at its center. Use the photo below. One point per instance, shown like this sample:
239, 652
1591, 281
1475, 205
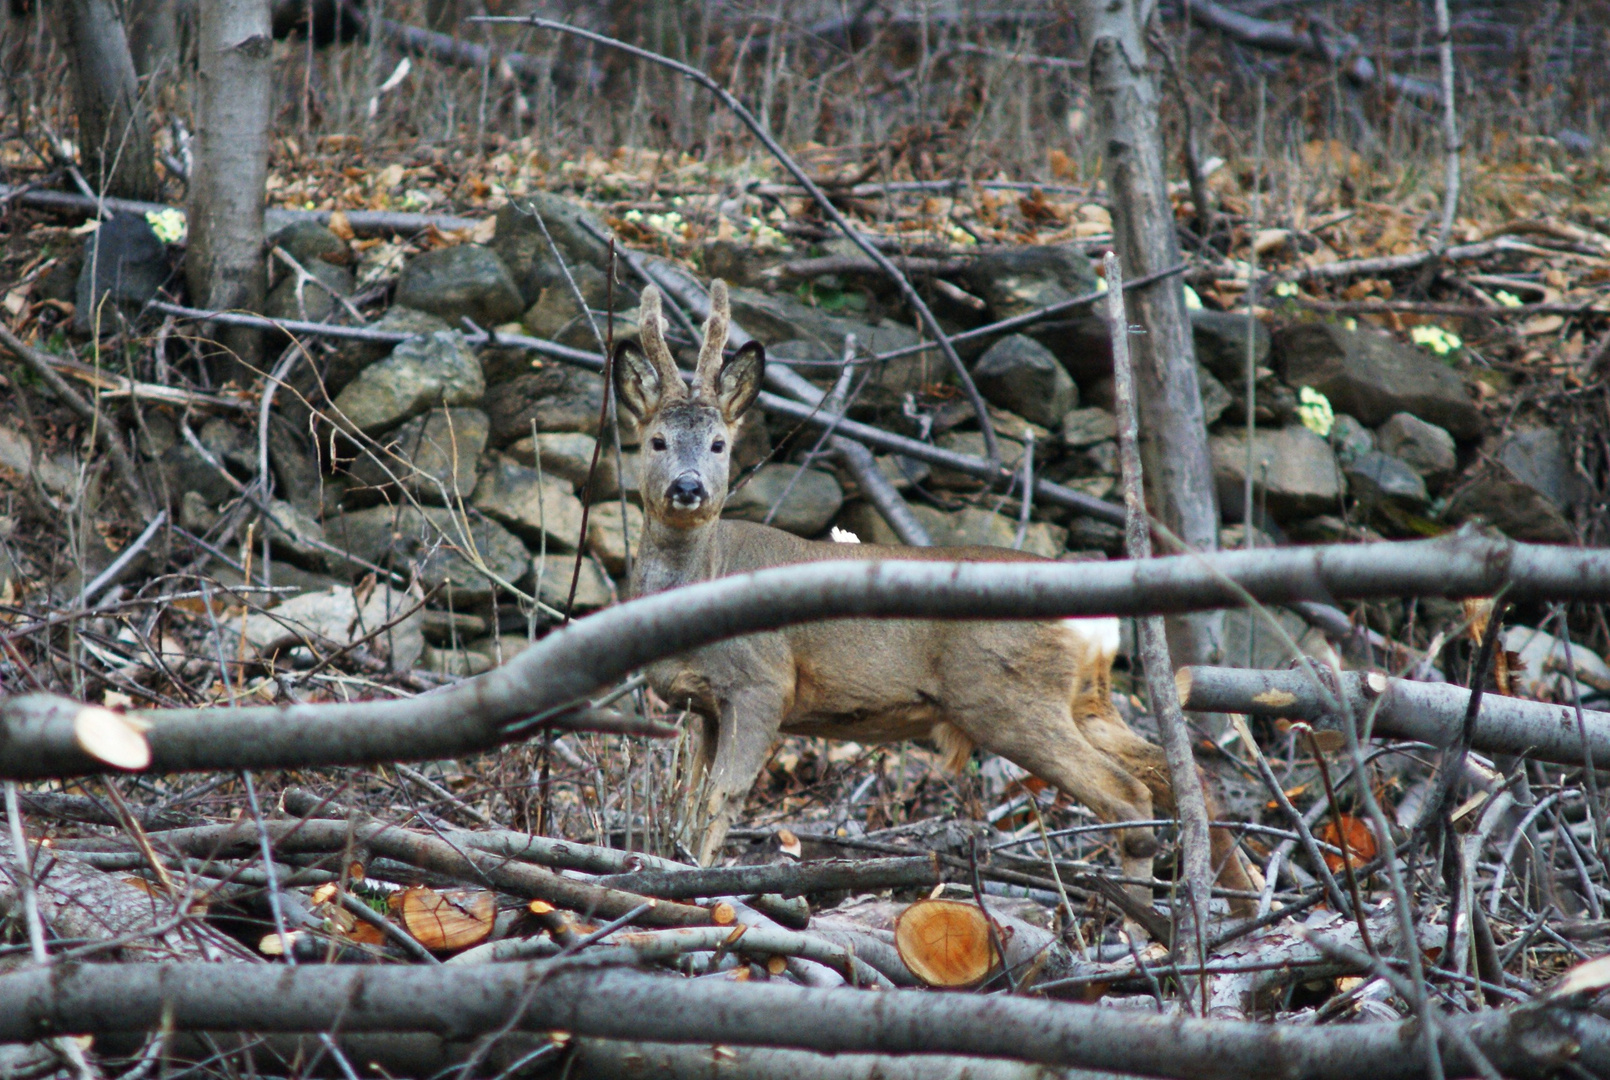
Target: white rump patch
844, 536
1100, 634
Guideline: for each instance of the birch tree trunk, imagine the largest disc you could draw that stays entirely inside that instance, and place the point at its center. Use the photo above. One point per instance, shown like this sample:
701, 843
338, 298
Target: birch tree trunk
234, 106
114, 131
1173, 436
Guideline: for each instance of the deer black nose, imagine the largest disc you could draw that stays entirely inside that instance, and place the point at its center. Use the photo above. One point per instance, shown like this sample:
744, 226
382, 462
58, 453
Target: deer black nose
686, 491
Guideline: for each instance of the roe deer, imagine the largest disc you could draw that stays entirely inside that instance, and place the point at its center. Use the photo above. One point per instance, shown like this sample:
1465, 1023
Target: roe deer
1036, 693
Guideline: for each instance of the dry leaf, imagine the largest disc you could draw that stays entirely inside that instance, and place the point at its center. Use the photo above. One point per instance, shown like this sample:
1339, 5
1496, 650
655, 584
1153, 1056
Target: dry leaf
340, 225
1360, 844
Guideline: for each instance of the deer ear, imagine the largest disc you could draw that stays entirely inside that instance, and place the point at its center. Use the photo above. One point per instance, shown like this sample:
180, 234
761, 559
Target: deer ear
739, 382
637, 381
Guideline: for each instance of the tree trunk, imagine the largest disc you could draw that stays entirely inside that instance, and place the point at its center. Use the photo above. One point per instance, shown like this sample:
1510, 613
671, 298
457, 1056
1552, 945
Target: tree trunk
154, 36
1174, 450
225, 260
114, 132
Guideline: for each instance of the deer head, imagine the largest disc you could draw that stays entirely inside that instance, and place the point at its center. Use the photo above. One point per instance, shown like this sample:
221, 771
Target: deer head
687, 435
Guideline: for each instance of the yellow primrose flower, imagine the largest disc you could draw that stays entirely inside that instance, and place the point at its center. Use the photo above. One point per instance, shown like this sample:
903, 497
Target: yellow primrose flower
1313, 409
1506, 298
1435, 338
169, 224
1193, 302
1286, 289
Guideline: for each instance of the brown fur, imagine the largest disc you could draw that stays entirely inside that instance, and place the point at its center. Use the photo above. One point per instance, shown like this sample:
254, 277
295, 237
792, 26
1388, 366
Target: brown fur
1037, 693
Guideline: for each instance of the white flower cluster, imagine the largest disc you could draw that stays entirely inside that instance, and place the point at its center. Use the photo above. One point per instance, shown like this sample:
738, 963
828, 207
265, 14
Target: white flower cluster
1440, 341
169, 224
1313, 409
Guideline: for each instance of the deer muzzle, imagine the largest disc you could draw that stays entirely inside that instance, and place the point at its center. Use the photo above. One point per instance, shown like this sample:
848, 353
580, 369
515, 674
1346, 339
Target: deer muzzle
686, 492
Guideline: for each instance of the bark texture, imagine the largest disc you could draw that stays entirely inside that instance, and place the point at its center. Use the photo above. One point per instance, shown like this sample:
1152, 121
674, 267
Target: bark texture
114, 131
1173, 436
225, 260
583, 997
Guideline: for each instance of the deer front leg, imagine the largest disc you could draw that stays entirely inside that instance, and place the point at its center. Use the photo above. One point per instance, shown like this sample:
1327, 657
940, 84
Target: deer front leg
745, 731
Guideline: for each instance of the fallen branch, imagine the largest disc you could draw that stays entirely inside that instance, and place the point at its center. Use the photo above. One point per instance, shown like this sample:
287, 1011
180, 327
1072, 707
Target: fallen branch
1393, 264
1425, 712
431, 853
795, 879
757, 941
1429, 307
363, 222
39, 734
1307, 37
586, 998
854, 264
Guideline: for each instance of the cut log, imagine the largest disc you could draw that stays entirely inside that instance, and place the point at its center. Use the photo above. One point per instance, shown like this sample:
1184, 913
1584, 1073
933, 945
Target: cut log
946, 943
446, 921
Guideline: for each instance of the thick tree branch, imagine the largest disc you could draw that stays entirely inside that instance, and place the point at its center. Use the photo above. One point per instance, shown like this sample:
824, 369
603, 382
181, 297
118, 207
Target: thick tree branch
38, 737
586, 998
1425, 712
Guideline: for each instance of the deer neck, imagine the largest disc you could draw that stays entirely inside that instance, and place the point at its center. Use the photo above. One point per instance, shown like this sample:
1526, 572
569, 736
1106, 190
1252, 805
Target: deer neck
668, 558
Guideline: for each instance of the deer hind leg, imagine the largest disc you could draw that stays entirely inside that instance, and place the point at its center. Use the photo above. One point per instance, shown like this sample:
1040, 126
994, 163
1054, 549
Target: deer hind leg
1045, 740
1147, 762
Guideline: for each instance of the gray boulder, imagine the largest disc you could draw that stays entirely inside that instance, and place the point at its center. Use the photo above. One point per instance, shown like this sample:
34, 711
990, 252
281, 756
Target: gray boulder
1020, 374
436, 542
777, 317
466, 279
1086, 427
1221, 343
525, 251
1540, 458
976, 527
334, 619
1371, 376
1015, 281
554, 314
1215, 398
124, 266
568, 456
608, 538
1296, 467
421, 373
1494, 497
1374, 478
351, 357
294, 534
1350, 439
433, 456
317, 302
813, 500
529, 505
555, 573
1427, 449
308, 242
556, 398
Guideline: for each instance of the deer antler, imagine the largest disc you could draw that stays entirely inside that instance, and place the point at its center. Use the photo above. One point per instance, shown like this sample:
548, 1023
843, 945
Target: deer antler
651, 332
715, 340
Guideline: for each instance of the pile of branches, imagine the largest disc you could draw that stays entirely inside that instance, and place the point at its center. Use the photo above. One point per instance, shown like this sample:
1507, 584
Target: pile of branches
416, 949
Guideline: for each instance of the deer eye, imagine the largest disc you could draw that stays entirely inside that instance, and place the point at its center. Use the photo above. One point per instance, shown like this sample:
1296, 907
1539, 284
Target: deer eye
717, 447
657, 443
